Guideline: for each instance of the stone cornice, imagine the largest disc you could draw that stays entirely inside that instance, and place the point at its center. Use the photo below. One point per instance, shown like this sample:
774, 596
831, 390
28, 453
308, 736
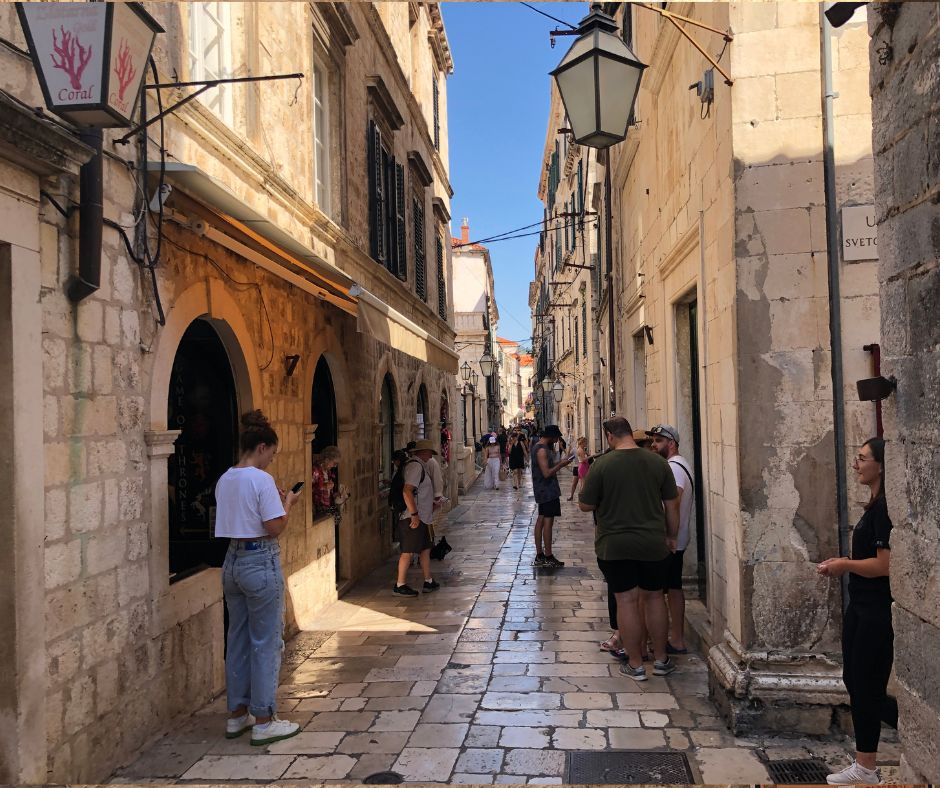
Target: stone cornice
384, 102
38, 144
420, 168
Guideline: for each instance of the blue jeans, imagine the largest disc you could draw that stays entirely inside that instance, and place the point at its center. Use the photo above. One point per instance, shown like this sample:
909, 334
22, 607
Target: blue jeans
254, 595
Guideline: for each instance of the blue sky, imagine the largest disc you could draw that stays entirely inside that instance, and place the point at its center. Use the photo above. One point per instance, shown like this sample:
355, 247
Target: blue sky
498, 102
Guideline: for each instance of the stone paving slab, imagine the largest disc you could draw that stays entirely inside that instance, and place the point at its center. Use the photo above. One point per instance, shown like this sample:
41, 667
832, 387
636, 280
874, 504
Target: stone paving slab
491, 680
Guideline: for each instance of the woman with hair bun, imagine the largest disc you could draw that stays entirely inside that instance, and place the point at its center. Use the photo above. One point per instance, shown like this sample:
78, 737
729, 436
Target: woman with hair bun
251, 511
867, 634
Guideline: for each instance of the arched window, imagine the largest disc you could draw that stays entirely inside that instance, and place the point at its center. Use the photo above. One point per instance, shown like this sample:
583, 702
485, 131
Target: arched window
387, 416
323, 408
202, 403
422, 427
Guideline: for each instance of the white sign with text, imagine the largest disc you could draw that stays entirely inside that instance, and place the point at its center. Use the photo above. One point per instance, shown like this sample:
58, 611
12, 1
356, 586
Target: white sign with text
859, 233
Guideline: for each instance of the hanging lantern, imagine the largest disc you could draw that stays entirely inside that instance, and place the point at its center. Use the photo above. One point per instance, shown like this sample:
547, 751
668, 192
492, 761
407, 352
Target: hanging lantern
598, 79
90, 58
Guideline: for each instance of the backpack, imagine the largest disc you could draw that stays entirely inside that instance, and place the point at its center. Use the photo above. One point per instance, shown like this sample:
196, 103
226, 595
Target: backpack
396, 491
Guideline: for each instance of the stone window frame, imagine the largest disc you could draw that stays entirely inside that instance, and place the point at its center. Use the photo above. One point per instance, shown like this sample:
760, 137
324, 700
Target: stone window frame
175, 603
198, 18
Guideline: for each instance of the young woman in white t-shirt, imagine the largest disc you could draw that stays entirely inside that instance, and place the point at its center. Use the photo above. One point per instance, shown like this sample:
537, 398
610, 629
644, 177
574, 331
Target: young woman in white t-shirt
252, 512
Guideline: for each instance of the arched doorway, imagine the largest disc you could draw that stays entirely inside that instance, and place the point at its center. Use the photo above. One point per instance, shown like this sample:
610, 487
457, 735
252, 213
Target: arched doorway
422, 426
323, 414
203, 405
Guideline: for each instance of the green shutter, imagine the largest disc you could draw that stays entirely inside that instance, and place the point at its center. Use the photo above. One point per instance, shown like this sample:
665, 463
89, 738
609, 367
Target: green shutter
421, 282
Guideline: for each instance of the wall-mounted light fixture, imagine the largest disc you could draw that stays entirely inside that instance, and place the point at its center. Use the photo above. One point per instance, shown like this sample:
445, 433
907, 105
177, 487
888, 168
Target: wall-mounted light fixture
876, 389
465, 371
290, 364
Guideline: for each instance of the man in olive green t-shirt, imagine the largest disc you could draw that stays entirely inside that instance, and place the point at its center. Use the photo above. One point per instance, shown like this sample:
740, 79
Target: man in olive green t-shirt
633, 495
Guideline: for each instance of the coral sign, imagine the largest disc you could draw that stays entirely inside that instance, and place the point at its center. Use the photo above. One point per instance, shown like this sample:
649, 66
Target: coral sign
90, 58
130, 46
68, 41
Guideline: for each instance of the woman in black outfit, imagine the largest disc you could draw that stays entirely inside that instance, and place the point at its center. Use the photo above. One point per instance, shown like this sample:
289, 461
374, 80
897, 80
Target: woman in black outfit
517, 453
867, 635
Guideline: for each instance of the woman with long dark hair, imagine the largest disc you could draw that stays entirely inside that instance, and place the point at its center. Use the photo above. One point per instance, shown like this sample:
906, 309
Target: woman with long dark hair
867, 634
252, 512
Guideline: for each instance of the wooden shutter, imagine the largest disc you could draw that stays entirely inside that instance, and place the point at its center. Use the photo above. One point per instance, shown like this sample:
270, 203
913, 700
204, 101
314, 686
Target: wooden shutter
441, 281
421, 283
376, 196
580, 189
584, 323
577, 343
400, 263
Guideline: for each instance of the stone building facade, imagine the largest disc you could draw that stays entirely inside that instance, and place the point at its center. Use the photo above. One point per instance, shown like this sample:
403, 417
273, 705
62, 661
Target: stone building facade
476, 317
303, 273
723, 314
905, 89
568, 279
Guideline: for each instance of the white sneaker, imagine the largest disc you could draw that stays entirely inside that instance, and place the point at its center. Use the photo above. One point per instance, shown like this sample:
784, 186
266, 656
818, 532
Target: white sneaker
273, 731
236, 726
855, 775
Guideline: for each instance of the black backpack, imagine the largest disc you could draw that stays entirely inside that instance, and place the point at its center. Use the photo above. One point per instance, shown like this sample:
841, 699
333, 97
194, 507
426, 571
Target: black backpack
396, 491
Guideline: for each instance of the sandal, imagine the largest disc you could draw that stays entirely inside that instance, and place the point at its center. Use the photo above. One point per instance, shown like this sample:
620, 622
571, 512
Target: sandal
612, 644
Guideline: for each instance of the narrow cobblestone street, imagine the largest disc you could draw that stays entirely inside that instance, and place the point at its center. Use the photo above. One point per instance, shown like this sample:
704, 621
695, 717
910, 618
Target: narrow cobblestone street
489, 680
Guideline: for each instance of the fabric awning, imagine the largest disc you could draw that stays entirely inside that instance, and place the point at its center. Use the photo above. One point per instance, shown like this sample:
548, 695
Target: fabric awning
392, 328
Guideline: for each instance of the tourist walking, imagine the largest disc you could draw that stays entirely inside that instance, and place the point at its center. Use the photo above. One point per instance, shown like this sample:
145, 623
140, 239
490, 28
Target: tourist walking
516, 459
581, 469
502, 438
867, 633
414, 529
634, 496
547, 494
491, 456
252, 512
666, 443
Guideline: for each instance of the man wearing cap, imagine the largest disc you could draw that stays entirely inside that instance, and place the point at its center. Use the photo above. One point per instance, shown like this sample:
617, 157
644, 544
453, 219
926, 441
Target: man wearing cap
666, 443
634, 496
547, 494
414, 529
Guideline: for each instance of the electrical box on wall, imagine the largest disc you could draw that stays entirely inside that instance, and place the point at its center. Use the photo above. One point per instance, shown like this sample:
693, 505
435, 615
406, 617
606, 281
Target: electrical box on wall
705, 89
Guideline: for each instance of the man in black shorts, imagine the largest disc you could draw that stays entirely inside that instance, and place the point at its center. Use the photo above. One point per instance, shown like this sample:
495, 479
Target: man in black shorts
547, 494
633, 495
414, 529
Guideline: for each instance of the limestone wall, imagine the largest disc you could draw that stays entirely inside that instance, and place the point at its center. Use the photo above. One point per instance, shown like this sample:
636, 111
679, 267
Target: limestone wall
125, 653
905, 86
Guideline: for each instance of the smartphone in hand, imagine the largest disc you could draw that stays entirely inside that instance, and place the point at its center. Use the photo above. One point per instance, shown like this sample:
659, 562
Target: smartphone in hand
296, 488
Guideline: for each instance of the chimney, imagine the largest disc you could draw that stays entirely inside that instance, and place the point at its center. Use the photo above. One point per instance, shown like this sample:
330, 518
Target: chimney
465, 231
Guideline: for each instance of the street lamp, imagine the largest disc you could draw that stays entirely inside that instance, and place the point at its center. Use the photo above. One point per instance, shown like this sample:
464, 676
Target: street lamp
473, 379
558, 391
546, 384
89, 57
465, 371
598, 79
486, 364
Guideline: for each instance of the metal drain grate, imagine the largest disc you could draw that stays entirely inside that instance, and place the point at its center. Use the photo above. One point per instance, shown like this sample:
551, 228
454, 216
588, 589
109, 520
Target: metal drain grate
805, 771
627, 766
384, 778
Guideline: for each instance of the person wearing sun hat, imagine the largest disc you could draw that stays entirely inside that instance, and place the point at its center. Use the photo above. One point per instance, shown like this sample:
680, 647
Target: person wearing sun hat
414, 529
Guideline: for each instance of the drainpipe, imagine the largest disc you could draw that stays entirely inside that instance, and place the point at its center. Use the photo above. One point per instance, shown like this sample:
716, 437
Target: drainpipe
91, 217
609, 252
833, 253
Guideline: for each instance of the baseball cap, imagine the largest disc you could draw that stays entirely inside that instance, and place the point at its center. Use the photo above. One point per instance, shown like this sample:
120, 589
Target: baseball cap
551, 431
664, 431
